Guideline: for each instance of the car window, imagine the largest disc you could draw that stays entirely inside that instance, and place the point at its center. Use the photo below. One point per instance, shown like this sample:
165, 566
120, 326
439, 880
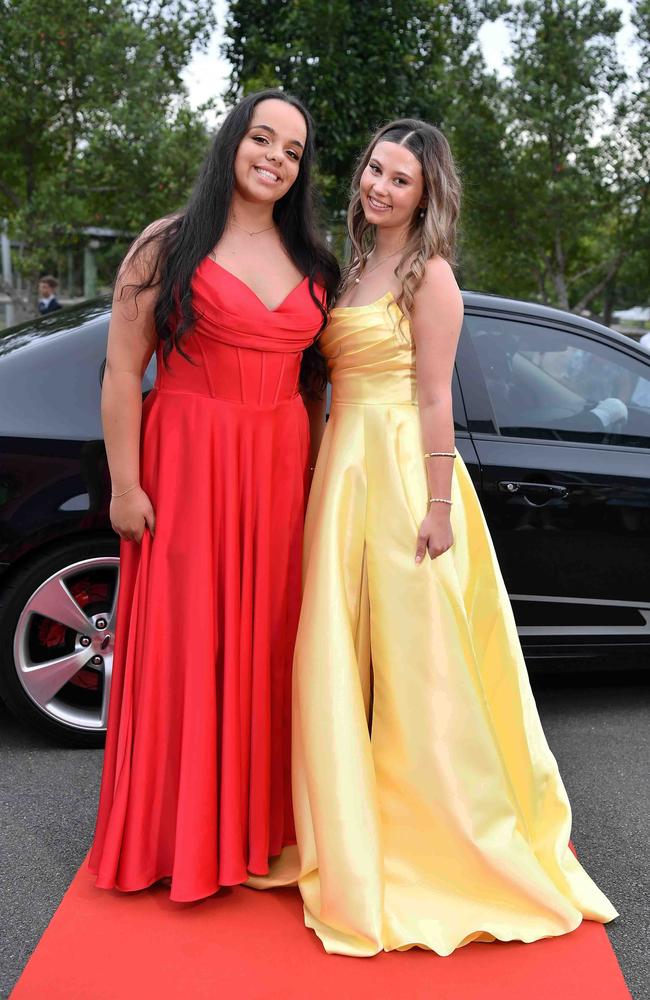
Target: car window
553, 384
460, 420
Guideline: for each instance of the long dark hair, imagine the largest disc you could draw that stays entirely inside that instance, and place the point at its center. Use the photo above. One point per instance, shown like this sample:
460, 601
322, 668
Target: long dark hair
175, 247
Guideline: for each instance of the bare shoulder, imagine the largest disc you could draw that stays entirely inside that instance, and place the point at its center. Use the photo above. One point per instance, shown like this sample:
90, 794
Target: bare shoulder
437, 269
142, 256
438, 298
147, 237
439, 285
156, 227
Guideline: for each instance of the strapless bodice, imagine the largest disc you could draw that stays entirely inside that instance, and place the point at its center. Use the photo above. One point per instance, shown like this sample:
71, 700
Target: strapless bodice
241, 351
370, 354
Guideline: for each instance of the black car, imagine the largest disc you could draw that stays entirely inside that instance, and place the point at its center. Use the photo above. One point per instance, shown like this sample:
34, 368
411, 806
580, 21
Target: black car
552, 417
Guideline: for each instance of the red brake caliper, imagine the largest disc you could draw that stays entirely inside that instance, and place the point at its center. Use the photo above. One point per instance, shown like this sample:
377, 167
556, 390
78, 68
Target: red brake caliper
52, 634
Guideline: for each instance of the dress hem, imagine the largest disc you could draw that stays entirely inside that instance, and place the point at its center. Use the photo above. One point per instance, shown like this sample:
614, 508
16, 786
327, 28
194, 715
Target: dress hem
474, 937
189, 897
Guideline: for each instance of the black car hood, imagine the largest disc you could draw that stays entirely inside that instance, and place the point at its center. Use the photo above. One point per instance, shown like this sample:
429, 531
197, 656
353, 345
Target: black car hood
63, 321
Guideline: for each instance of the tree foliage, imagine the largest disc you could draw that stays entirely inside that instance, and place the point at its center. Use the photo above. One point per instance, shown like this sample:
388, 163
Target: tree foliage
356, 64
95, 129
554, 156
571, 150
631, 286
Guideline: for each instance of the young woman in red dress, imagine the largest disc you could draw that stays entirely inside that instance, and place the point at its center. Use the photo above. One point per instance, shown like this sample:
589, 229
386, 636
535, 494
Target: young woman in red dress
208, 482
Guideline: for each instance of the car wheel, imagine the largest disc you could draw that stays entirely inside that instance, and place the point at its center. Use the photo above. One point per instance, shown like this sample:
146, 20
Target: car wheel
57, 622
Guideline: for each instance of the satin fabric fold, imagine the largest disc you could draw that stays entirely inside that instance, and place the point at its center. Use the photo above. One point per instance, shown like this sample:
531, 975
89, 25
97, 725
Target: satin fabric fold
429, 808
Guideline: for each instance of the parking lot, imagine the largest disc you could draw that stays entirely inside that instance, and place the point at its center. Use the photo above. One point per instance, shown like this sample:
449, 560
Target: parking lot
598, 724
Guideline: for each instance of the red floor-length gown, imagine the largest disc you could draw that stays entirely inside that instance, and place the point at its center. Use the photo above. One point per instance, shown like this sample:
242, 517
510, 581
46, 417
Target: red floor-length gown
196, 781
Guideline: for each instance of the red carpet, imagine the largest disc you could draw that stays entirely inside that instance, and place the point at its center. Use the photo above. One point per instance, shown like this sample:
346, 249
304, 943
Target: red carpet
253, 945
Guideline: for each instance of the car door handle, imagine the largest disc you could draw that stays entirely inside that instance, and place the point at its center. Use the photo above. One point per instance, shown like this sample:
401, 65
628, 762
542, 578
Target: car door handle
541, 492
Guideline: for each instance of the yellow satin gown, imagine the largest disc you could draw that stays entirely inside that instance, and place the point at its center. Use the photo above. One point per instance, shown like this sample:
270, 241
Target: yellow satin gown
432, 813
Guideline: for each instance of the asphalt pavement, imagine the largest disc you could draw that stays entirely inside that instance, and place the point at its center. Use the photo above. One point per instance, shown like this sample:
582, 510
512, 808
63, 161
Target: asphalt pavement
597, 723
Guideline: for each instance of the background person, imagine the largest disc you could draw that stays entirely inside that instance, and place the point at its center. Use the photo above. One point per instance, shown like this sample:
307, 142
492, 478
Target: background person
47, 300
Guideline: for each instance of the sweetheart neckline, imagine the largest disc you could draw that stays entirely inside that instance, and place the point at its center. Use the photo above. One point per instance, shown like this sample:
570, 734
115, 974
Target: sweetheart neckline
254, 294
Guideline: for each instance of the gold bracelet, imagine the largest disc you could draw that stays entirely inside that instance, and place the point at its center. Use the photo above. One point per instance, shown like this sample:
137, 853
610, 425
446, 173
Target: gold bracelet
440, 454
134, 487
440, 500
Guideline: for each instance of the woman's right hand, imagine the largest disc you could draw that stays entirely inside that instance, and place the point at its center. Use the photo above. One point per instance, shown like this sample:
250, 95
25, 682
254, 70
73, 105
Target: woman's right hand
131, 514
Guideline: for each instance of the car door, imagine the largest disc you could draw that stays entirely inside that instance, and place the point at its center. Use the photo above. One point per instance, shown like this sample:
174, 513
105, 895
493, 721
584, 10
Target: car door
560, 419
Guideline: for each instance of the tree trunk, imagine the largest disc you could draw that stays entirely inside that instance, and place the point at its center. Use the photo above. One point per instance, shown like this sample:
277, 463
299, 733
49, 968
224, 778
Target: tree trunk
24, 304
558, 273
608, 279
609, 300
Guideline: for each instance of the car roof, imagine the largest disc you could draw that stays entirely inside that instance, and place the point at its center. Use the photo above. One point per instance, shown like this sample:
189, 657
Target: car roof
487, 302
73, 317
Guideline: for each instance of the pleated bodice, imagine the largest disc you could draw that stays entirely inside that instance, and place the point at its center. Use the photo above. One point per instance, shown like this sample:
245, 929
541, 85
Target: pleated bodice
370, 354
241, 351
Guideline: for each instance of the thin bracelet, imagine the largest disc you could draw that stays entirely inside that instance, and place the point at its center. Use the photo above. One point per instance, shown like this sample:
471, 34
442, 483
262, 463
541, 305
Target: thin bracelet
134, 487
440, 500
440, 454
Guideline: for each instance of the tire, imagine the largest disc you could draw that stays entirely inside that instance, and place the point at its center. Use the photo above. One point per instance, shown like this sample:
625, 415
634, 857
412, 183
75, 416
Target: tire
56, 640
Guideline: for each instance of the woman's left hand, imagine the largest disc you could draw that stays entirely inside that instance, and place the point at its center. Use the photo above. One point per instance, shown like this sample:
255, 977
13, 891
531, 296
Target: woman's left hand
435, 535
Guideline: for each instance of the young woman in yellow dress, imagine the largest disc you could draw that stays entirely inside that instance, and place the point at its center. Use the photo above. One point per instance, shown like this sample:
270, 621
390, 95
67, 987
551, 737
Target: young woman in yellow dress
428, 805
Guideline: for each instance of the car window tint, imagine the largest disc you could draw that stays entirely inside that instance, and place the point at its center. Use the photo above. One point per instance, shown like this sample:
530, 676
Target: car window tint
460, 420
557, 385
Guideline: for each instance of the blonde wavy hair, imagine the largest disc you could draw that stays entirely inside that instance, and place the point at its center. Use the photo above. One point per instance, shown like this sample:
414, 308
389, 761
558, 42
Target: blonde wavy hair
433, 228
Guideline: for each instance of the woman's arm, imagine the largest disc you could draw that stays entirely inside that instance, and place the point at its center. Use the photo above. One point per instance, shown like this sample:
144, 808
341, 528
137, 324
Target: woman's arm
436, 324
131, 343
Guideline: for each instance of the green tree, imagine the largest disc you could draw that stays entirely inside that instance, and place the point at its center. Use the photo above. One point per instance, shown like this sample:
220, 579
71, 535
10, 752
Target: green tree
95, 129
569, 196
357, 64
631, 286
554, 158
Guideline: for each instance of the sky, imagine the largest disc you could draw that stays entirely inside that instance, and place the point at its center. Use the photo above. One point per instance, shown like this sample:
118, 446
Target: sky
495, 44
207, 74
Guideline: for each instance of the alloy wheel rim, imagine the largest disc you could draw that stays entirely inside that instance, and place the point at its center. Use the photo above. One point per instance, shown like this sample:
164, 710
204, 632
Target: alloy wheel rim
44, 679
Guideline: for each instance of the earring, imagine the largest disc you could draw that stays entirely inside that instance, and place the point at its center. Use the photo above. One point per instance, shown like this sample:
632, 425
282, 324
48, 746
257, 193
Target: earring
421, 213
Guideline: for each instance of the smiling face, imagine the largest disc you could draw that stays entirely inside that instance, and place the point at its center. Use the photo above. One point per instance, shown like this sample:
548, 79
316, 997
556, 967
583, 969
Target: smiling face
392, 186
268, 156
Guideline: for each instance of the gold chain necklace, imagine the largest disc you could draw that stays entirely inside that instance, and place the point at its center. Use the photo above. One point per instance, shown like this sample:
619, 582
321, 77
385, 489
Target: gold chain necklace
255, 232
